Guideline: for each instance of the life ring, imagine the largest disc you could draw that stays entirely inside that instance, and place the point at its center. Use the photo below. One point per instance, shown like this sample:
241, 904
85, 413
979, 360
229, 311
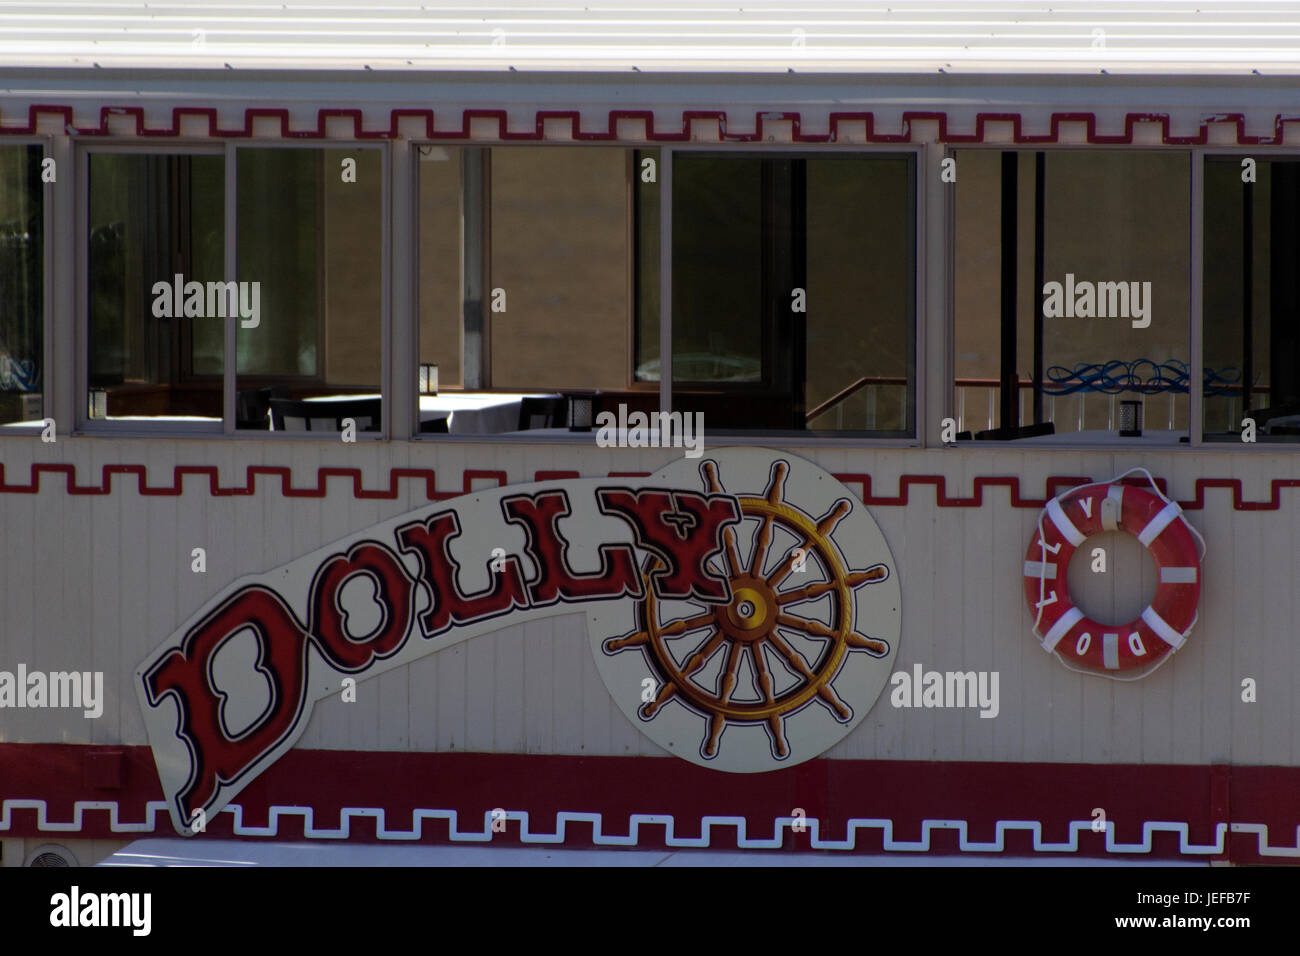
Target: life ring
1159, 525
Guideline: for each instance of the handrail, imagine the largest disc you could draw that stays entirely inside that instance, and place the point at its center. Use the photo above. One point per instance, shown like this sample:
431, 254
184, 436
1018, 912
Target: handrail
850, 389
858, 384
1028, 383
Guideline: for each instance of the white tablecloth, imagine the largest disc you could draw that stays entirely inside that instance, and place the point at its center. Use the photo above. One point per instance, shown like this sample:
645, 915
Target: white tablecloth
481, 413
1102, 436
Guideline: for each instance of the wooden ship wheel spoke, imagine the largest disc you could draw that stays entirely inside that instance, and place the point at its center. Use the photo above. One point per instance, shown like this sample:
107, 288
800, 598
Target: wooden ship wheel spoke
748, 627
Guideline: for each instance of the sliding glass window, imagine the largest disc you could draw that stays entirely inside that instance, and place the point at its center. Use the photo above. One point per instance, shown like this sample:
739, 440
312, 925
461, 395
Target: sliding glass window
793, 288
298, 293
22, 281
311, 269
154, 246
793, 304
1251, 296
527, 279
1072, 295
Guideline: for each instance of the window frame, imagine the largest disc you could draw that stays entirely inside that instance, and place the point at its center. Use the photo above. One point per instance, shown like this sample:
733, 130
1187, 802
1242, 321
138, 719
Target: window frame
1195, 275
51, 380
227, 149
412, 200
81, 403
66, 213
1201, 155
385, 280
916, 153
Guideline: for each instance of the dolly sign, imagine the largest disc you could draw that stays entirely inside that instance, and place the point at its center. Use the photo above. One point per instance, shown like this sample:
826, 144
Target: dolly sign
743, 611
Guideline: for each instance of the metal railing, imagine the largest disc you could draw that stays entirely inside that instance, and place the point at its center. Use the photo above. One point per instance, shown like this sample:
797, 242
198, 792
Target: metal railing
873, 384
1075, 407
976, 412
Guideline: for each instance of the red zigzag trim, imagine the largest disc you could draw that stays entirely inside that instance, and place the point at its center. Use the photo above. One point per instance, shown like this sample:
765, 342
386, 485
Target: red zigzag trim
652, 134
1054, 485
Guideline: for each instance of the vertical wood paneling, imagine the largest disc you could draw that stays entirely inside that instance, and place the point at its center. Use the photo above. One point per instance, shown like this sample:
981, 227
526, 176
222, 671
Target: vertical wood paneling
422, 702
159, 539
598, 708
97, 582
480, 694
1249, 657
1186, 730
81, 650
539, 655
121, 720
24, 563
567, 681
508, 669
978, 634
1215, 631
1269, 597
923, 618
133, 583
451, 701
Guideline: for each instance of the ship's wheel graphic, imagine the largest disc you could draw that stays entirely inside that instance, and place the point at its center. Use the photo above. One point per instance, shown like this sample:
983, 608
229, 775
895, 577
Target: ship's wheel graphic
759, 622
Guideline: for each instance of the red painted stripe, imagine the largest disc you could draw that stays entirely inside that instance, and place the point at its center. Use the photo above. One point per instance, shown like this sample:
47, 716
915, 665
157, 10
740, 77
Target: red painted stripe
718, 117
1054, 485
250, 487
832, 791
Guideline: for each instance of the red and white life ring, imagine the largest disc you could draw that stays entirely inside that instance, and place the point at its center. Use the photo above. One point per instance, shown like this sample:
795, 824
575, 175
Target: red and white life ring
1154, 520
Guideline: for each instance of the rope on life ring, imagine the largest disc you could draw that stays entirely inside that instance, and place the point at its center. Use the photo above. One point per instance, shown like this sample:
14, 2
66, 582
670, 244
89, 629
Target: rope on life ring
1146, 642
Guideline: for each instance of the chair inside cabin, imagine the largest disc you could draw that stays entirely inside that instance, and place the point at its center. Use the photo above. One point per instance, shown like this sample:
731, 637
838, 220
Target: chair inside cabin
290, 415
542, 413
253, 406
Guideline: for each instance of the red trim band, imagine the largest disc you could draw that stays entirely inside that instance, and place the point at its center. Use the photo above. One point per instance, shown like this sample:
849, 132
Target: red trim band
652, 134
1244, 814
1054, 485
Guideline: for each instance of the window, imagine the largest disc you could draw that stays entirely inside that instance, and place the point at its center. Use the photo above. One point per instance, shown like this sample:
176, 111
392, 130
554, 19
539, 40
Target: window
22, 278
527, 282
300, 306
793, 288
1251, 299
1072, 293
794, 292
155, 225
310, 252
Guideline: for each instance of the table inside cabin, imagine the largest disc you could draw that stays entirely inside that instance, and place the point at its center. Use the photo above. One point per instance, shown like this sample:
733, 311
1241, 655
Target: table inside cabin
487, 413
482, 413
1102, 436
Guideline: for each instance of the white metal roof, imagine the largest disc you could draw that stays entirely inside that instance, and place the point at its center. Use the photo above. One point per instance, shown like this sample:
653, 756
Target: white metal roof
1150, 36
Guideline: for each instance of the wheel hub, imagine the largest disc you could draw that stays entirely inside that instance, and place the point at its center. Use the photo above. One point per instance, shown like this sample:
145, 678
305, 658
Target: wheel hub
751, 612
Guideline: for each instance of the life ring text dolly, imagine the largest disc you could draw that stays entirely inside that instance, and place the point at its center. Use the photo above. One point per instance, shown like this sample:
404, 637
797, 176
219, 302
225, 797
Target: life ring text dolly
1158, 523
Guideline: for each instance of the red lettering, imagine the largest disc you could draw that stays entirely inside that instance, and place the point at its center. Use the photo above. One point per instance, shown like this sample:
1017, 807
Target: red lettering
428, 541
540, 516
393, 592
684, 530
217, 757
